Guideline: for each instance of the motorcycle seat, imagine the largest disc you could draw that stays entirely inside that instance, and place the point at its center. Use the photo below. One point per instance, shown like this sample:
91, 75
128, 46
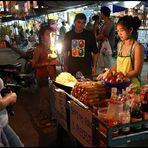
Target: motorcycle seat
25, 75
16, 66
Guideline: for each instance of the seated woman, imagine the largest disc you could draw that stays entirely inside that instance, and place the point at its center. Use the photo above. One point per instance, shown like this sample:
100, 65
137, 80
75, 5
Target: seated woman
8, 137
130, 53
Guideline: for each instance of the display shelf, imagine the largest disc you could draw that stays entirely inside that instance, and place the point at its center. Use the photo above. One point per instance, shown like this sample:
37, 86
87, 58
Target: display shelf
107, 137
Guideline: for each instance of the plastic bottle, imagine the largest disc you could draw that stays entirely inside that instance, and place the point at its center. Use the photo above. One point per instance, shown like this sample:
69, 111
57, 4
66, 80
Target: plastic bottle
136, 112
124, 117
144, 107
113, 109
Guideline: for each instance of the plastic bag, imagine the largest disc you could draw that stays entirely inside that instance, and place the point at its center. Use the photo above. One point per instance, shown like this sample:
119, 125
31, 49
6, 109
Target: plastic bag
106, 48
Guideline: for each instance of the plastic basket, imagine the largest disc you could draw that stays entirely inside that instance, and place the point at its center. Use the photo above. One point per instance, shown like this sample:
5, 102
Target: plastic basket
119, 86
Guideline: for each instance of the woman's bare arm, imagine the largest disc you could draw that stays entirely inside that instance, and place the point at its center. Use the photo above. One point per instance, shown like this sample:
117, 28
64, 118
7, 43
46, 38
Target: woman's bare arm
138, 61
8, 99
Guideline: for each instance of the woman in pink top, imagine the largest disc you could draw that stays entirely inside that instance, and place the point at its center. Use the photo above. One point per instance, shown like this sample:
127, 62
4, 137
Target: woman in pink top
42, 64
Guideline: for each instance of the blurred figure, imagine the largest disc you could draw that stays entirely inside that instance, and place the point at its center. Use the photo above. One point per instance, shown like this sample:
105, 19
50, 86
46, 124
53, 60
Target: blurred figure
95, 27
53, 25
41, 62
107, 32
23, 40
8, 137
27, 33
62, 30
33, 39
89, 25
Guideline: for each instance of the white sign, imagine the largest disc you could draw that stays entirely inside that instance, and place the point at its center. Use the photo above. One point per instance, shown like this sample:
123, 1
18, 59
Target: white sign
81, 124
60, 107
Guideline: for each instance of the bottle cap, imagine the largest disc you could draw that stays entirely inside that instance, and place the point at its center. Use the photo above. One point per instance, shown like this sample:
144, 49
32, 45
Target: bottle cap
138, 91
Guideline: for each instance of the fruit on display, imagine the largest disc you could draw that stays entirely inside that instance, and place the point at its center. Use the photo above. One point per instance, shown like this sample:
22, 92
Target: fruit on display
89, 92
115, 77
66, 79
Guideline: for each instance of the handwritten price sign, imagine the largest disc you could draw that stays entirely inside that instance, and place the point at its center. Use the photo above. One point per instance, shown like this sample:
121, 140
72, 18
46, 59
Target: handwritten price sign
81, 124
60, 107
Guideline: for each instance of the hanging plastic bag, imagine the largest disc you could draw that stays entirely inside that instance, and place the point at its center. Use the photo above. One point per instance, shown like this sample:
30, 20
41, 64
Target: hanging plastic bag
106, 48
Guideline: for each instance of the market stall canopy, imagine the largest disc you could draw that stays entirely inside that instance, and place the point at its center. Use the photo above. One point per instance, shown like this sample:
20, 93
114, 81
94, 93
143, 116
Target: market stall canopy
128, 4
116, 8
29, 9
56, 6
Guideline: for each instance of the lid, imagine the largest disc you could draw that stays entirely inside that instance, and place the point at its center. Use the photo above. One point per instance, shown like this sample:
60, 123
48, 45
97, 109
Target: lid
138, 91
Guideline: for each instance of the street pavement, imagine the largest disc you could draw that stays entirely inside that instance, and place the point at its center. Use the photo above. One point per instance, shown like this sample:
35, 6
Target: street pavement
26, 107
24, 123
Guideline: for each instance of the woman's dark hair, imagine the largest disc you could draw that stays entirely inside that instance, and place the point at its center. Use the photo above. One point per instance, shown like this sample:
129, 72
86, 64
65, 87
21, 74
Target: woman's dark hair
42, 31
130, 22
80, 16
106, 11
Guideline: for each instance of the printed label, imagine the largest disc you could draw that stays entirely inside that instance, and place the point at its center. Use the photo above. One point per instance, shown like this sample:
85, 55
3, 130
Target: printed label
139, 126
136, 119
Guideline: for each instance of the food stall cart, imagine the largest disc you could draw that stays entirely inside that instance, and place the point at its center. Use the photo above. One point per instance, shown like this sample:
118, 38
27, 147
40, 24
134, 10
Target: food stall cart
82, 123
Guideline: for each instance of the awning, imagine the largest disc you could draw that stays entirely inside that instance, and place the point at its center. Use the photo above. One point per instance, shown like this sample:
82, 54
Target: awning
116, 8
128, 4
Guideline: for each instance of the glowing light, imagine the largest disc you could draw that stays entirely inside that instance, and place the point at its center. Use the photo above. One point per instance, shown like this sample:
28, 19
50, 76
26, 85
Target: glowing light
59, 47
16, 7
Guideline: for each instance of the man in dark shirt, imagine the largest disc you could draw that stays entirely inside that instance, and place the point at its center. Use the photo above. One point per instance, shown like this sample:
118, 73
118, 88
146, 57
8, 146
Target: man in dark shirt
80, 49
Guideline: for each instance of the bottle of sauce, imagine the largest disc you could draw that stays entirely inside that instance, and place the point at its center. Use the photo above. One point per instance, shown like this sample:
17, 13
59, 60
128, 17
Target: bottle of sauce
124, 117
112, 111
136, 113
144, 107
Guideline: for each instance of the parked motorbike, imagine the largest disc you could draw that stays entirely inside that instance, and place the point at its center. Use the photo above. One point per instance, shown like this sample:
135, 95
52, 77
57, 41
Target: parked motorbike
29, 72
27, 56
12, 74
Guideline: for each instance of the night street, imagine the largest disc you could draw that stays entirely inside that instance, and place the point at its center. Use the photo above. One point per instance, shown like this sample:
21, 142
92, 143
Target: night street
26, 110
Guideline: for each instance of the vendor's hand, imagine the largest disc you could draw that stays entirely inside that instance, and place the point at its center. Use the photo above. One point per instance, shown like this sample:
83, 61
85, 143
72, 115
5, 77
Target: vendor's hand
100, 76
104, 75
94, 71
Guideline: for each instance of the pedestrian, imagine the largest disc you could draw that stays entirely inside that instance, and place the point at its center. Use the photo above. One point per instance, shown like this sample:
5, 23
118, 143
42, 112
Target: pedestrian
62, 30
107, 32
130, 53
89, 25
32, 39
95, 27
80, 49
8, 137
41, 63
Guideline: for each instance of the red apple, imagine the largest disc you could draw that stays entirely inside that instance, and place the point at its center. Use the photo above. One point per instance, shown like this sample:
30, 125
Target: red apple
112, 80
114, 72
106, 80
125, 79
118, 80
120, 75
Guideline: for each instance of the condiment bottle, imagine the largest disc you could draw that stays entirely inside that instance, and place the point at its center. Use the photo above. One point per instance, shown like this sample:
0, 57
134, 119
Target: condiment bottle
136, 112
144, 107
124, 117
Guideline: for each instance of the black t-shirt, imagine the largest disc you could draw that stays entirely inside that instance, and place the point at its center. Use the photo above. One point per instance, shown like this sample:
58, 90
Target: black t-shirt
80, 47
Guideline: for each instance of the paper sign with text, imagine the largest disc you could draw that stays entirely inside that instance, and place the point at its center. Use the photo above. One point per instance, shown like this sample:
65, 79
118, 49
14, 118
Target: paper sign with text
81, 124
60, 107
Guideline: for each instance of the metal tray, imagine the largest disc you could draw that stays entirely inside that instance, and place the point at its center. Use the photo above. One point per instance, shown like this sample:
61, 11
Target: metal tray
64, 87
